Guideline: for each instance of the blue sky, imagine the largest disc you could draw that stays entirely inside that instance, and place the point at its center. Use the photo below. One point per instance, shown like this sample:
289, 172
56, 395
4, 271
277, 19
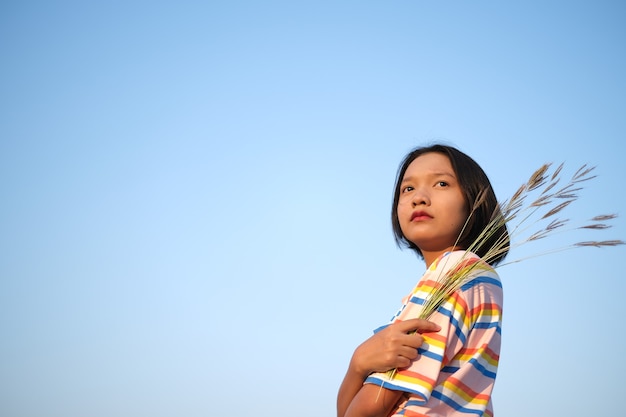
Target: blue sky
196, 195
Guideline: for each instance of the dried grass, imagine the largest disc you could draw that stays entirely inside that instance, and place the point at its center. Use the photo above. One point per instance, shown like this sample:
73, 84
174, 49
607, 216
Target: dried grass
526, 223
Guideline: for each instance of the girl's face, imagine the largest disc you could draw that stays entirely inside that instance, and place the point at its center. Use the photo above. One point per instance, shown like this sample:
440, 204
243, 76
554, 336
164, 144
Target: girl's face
431, 208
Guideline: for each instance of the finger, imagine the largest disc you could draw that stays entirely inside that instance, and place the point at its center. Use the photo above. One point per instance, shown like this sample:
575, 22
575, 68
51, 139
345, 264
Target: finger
413, 341
403, 362
408, 353
419, 325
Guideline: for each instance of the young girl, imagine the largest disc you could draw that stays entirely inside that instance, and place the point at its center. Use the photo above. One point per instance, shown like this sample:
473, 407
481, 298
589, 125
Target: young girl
448, 366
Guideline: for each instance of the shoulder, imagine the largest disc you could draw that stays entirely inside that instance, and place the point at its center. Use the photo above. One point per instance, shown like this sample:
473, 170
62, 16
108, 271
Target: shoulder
482, 290
463, 264
478, 274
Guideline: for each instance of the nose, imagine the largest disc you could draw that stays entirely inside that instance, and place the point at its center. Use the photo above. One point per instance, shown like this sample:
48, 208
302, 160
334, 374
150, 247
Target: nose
420, 198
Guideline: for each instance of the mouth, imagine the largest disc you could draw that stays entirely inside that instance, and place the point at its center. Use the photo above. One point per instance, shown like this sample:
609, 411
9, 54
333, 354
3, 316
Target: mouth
420, 216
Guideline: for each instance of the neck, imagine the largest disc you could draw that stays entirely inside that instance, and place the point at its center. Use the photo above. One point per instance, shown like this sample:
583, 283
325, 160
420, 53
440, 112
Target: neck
431, 256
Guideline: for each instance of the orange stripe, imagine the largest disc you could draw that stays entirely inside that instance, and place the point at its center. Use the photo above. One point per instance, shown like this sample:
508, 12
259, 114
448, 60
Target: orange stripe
411, 376
409, 413
465, 392
484, 350
436, 337
486, 307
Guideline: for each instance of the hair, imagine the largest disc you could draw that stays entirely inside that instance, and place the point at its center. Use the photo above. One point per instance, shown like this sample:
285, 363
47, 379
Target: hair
472, 180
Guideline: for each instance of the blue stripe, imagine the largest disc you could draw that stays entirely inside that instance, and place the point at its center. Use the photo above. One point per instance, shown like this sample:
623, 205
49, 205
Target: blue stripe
380, 328
496, 325
475, 363
481, 280
430, 354
489, 325
417, 300
482, 369
454, 322
458, 407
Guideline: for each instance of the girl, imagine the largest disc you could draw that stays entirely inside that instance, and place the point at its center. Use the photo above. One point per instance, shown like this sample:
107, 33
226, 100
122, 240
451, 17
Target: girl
447, 367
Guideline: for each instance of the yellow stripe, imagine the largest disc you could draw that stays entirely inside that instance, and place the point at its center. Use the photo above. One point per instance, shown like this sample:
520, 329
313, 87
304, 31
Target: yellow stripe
461, 393
413, 381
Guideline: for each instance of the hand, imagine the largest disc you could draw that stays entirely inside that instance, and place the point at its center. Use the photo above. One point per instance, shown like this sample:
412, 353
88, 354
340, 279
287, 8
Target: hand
392, 347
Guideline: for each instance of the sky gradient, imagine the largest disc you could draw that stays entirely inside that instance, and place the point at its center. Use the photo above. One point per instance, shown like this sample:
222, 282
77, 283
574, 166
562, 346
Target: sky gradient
196, 195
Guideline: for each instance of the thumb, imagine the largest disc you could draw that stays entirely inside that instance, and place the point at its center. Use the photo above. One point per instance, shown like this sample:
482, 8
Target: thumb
419, 325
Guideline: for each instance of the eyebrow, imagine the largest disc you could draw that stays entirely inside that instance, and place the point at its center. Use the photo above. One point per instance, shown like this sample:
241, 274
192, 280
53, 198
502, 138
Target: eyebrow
432, 174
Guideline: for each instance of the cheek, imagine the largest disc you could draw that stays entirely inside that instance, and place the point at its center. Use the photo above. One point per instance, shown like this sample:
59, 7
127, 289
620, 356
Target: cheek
401, 210
461, 217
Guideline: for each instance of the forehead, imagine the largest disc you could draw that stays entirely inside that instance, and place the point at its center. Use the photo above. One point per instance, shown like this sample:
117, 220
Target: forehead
429, 164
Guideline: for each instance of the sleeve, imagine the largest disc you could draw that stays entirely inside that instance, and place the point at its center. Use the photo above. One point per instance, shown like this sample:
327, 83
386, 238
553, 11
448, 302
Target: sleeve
420, 378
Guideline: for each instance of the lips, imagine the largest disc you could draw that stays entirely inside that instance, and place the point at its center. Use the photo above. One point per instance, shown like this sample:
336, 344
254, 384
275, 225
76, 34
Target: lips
420, 215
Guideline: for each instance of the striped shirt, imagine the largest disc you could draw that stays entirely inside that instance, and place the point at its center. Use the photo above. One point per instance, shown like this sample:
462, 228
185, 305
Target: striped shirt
456, 368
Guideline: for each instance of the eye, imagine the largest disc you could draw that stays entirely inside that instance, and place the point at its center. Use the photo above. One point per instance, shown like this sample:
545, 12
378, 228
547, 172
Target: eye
442, 184
406, 189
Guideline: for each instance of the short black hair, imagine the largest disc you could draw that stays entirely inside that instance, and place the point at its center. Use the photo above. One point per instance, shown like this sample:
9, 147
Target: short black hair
472, 180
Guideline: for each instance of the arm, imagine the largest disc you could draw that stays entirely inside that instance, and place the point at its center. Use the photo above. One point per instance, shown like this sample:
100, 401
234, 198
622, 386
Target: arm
373, 401
390, 348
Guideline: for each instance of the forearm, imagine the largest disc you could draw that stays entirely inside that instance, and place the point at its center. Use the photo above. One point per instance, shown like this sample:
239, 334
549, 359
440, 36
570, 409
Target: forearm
350, 386
358, 400
373, 401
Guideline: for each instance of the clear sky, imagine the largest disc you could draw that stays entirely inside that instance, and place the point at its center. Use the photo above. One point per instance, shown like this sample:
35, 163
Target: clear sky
195, 195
